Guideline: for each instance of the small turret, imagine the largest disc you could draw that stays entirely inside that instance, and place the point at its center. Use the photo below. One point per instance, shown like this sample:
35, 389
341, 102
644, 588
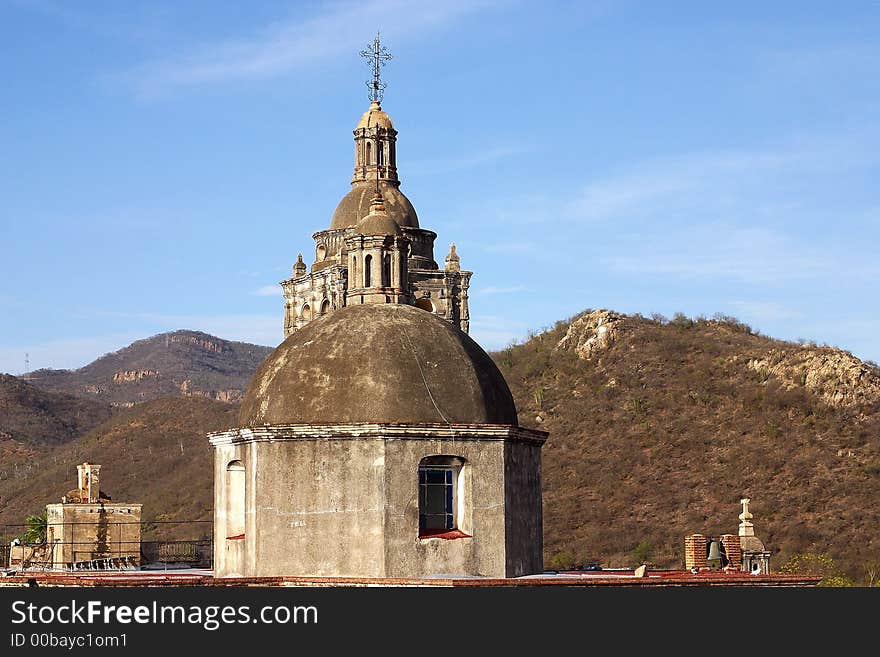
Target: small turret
453, 262
299, 268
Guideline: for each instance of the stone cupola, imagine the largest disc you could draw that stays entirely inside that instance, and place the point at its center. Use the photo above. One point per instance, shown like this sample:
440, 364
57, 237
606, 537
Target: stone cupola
374, 146
377, 258
375, 251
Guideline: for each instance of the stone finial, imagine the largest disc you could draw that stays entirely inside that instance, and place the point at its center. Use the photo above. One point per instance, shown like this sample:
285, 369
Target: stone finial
300, 267
746, 528
452, 260
377, 203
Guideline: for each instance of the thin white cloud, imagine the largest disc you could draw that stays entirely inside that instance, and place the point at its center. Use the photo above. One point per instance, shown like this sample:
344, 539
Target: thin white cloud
491, 290
827, 61
511, 247
765, 310
722, 183
268, 291
493, 332
467, 161
752, 254
739, 214
340, 29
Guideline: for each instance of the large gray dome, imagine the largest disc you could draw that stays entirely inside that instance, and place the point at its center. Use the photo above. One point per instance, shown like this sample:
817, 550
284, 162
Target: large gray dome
386, 363
355, 205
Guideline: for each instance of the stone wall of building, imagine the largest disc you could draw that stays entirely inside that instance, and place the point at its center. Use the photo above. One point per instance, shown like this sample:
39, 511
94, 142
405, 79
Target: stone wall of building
479, 550
228, 544
344, 501
83, 532
524, 528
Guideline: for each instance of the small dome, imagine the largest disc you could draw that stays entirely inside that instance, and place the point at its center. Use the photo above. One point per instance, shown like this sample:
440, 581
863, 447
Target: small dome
356, 204
377, 224
378, 363
373, 117
751, 544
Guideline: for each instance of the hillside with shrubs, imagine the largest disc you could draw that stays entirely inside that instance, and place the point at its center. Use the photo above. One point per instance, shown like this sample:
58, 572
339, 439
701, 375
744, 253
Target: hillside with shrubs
658, 427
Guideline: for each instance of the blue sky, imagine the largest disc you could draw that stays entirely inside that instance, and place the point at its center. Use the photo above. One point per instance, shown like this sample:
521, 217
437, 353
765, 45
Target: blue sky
162, 163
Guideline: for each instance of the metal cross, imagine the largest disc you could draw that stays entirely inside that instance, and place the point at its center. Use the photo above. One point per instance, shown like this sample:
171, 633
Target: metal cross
376, 56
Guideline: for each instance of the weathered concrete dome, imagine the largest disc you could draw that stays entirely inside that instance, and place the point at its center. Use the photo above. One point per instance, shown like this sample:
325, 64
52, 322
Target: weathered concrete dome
378, 363
355, 205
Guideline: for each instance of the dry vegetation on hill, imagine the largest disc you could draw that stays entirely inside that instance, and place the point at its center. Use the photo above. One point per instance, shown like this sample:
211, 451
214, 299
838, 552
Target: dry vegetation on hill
155, 453
659, 427
33, 418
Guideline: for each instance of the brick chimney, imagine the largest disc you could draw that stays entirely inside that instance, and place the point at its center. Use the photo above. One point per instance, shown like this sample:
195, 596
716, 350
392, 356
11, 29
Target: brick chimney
733, 550
695, 551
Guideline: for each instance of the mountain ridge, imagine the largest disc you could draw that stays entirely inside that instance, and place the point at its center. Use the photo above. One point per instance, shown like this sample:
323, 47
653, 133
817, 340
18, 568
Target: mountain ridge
657, 428
182, 362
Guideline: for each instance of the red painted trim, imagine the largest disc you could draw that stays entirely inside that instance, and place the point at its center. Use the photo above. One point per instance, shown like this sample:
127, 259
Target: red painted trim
235, 538
447, 534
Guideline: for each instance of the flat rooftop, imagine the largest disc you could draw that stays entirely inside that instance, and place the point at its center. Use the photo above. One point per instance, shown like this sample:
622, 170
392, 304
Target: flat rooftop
205, 578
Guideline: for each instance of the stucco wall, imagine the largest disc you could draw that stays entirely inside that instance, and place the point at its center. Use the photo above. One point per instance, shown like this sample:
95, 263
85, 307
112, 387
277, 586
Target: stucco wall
344, 506
318, 508
228, 552
483, 509
524, 527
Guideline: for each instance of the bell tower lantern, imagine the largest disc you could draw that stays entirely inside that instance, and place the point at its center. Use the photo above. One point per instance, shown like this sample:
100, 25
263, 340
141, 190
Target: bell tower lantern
375, 154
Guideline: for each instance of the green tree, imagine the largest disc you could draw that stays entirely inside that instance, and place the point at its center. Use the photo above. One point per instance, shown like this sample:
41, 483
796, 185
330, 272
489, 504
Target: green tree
539, 397
642, 552
681, 321
562, 560
35, 528
821, 564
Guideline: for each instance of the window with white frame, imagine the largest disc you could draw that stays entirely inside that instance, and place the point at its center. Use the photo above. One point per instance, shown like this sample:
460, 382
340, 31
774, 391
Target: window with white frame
439, 494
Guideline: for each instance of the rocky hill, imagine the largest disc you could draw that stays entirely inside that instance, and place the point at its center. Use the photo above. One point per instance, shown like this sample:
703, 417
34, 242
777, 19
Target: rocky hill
657, 428
184, 363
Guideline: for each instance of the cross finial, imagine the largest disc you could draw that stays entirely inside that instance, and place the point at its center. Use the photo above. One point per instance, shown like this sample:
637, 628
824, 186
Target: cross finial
376, 56
745, 515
